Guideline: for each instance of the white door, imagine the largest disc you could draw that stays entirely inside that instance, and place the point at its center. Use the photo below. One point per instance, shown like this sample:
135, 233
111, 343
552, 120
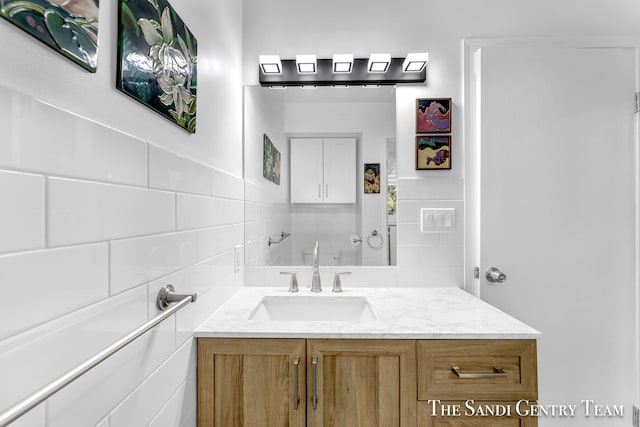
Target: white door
340, 170
556, 196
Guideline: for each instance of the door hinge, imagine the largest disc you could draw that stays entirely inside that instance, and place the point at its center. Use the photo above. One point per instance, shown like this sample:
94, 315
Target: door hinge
637, 106
476, 273
636, 417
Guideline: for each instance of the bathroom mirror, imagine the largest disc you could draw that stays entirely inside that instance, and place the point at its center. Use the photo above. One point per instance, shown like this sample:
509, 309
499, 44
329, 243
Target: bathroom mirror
359, 231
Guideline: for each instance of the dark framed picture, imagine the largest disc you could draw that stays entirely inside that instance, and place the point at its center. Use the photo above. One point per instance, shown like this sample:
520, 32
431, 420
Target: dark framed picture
433, 115
433, 152
68, 27
270, 161
372, 178
157, 58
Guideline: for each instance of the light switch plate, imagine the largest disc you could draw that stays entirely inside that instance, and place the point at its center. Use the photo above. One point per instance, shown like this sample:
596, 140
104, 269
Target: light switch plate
437, 220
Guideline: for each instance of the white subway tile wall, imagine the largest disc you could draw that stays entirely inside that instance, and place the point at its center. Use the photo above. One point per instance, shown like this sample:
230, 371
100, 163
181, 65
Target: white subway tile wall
93, 222
22, 213
429, 259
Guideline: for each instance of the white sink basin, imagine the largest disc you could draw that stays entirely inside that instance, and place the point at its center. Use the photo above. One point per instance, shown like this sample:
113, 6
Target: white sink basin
313, 308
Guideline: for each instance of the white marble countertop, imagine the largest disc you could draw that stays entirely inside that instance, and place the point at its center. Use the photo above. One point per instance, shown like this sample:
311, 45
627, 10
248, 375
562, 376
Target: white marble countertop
401, 313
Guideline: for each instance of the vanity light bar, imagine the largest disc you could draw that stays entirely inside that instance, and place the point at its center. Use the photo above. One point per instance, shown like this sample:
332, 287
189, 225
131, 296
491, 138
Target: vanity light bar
343, 70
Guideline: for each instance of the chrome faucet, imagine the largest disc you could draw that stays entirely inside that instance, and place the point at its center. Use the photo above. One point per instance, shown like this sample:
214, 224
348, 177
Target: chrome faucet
315, 282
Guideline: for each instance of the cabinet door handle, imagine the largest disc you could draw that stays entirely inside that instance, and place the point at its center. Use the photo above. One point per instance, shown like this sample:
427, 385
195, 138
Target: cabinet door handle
319, 191
296, 364
326, 190
498, 372
314, 396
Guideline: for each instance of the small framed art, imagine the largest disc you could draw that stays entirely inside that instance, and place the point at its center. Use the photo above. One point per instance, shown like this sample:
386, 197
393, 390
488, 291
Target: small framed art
433, 152
433, 115
372, 178
270, 161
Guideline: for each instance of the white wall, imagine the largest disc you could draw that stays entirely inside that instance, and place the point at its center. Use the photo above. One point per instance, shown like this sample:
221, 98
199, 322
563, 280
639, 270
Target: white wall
102, 204
363, 27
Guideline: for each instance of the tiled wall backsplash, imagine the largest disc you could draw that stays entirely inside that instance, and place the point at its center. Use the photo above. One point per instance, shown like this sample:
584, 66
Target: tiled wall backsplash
93, 222
424, 259
429, 259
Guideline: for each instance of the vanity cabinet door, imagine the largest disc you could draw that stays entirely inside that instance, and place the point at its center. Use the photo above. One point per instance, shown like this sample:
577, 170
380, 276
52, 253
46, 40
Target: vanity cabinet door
251, 382
360, 383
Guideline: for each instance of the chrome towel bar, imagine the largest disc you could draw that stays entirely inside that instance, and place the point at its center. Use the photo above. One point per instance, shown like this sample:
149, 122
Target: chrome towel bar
30, 402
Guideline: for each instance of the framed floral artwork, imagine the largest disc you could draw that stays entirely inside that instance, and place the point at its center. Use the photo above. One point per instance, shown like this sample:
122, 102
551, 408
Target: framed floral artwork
270, 160
157, 60
68, 27
433, 115
433, 152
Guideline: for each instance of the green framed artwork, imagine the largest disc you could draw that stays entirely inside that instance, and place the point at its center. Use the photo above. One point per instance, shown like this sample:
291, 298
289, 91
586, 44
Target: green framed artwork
433, 152
157, 60
270, 161
68, 27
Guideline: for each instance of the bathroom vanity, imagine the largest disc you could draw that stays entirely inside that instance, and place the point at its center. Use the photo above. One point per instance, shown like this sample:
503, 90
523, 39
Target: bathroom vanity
383, 357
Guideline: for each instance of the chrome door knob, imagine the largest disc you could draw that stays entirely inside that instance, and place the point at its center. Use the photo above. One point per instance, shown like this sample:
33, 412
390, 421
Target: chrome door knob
494, 275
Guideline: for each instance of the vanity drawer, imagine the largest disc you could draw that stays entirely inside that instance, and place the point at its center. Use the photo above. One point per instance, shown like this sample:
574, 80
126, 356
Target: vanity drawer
486, 370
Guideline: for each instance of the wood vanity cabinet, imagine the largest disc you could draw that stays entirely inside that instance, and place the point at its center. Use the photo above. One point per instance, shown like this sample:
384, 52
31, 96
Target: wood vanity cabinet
494, 383
355, 383
365, 382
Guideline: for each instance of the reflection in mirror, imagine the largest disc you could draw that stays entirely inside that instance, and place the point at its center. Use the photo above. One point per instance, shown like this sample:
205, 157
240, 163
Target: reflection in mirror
319, 165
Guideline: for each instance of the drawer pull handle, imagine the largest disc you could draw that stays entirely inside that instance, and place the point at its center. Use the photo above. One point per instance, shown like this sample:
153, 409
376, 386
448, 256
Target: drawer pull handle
498, 372
314, 395
296, 399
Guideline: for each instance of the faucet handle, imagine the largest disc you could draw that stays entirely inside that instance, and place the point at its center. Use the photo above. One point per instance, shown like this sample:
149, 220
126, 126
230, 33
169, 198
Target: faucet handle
337, 284
293, 283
